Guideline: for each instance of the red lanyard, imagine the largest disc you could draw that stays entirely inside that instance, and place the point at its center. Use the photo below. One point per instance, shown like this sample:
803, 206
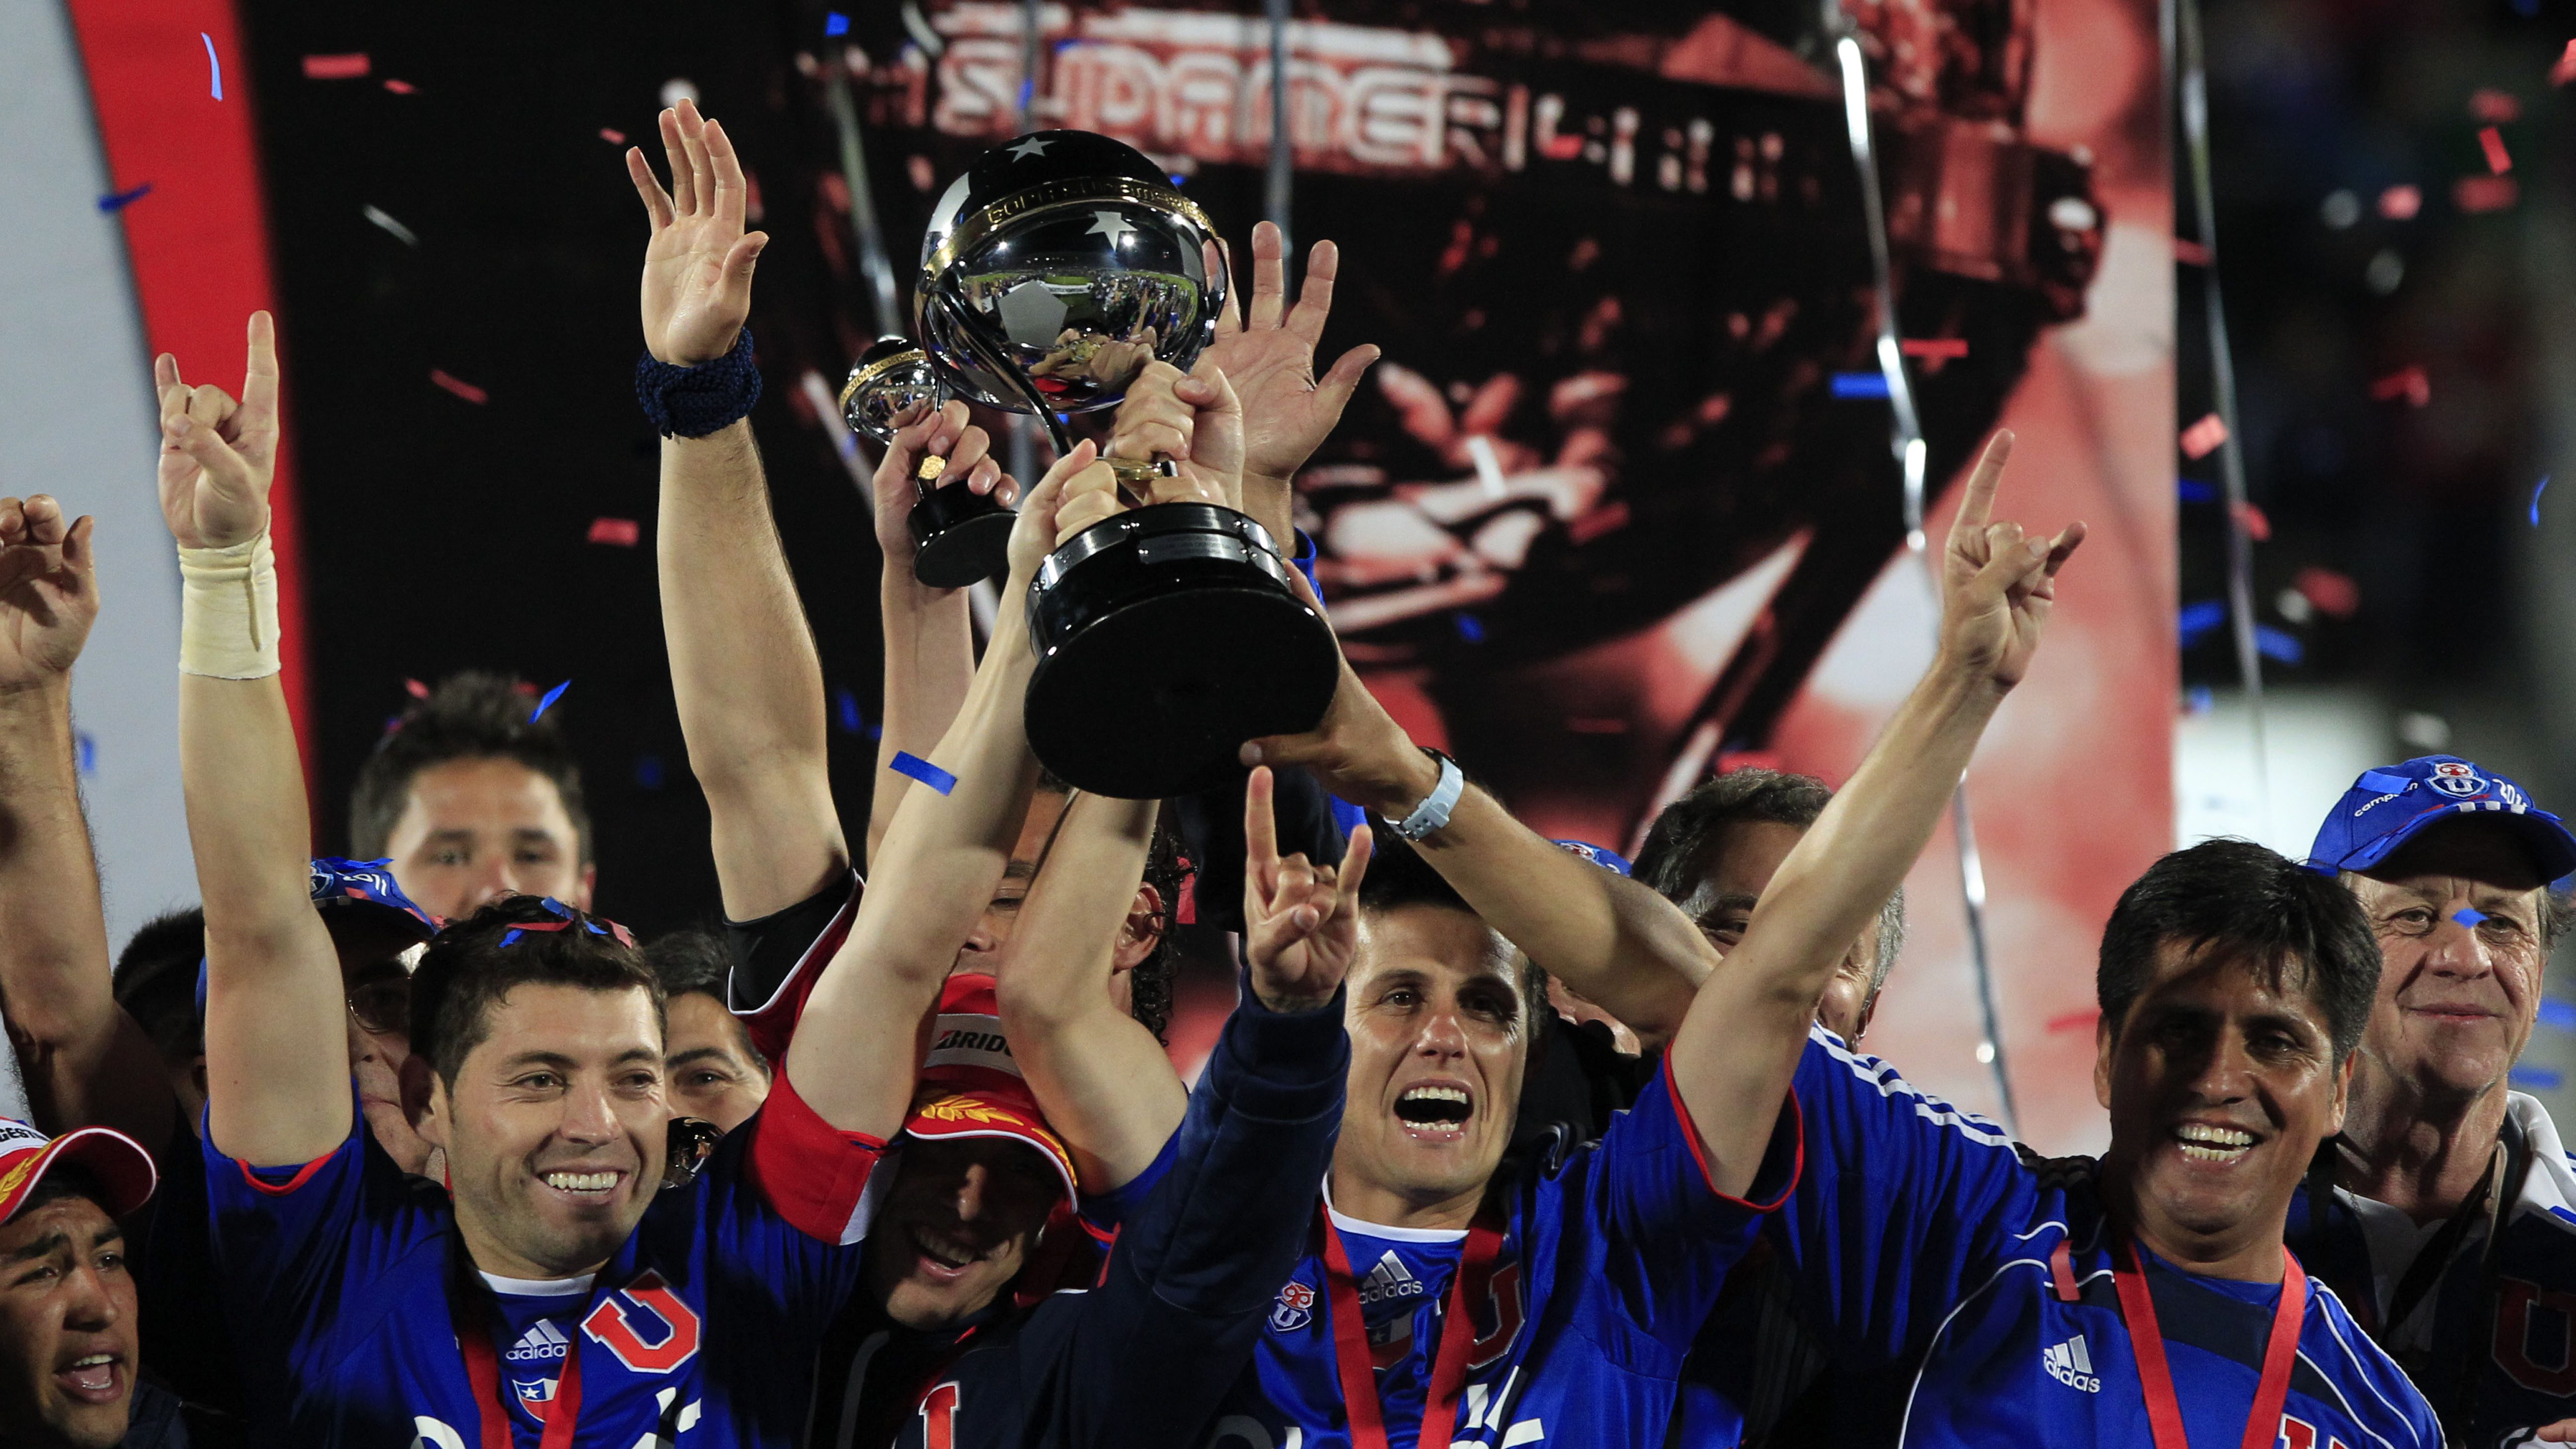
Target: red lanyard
483, 1371
2147, 1342
1448, 1366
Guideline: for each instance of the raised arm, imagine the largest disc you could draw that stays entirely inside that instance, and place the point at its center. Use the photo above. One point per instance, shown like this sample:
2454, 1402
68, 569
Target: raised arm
1739, 1045
1106, 1085
1610, 939
1269, 355
852, 1057
277, 1057
743, 667
85, 1062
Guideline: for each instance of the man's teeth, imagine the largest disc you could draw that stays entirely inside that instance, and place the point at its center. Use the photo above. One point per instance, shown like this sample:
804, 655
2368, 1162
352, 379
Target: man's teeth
581, 1181
2212, 1144
97, 1371
944, 1256
1434, 1094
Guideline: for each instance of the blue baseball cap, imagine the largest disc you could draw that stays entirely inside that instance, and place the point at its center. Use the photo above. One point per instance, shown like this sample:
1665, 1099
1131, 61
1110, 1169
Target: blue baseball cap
1599, 855
355, 895
2389, 806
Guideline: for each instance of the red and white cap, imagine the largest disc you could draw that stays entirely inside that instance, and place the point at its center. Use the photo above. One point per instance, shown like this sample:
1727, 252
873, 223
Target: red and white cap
971, 1087
124, 1169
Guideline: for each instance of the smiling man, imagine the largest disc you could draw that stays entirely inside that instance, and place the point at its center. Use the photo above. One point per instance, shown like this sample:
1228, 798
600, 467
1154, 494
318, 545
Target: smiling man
581, 1282
2447, 1219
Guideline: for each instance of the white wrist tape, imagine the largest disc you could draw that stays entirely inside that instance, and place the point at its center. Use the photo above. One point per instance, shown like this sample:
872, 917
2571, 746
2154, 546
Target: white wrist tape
228, 611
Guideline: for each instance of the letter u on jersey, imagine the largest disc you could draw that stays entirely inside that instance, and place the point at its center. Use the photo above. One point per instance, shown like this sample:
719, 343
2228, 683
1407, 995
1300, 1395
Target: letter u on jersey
675, 1337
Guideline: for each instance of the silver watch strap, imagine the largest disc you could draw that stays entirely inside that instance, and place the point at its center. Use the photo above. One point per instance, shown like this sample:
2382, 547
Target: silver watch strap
1433, 813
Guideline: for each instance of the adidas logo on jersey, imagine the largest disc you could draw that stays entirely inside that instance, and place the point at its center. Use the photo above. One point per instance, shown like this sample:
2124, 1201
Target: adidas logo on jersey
1389, 1279
2071, 1365
541, 1343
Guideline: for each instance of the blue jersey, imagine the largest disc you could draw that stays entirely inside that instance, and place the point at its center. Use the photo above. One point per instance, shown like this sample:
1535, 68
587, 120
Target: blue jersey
347, 1293
2491, 1339
1920, 1235
1610, 1260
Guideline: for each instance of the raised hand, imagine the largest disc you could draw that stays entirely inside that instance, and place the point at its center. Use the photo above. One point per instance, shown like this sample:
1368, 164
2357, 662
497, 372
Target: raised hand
1270, 355
218, 456
697, 268
1301, 921
1997, 585
1357, 750
946, 434
48, 591
1035, 531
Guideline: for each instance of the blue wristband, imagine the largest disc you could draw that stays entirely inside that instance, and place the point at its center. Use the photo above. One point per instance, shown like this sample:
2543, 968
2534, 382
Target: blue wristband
906, 763
691, 402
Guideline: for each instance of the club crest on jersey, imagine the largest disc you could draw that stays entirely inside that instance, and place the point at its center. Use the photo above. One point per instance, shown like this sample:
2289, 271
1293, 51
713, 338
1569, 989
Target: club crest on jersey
535, 1395
2456, 779
2072, 1365
1294, 1310
640, 1341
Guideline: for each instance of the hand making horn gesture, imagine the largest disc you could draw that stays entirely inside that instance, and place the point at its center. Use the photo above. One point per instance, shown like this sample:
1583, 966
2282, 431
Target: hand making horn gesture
1301, 921
1997, 584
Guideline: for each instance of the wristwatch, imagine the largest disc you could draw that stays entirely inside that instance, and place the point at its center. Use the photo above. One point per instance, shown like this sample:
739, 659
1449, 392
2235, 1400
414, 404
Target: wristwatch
1433, 813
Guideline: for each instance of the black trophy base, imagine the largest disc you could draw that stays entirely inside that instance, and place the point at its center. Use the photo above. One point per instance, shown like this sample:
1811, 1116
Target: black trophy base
959, 537
1166, 637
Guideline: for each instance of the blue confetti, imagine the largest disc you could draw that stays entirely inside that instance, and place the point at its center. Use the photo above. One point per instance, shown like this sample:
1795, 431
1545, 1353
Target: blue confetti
2199, 699
1471, 628
2526, 8
511, 937
907, 763
2191, 491
2382, 783
648, 771
836, 23
1860, 384
2538, 1079
85, 749
213, 64
1178, 179
2535, 500
847, 705
2198, 619
552, 695
2468, 918
120, 200
2557, 1015
2279, 644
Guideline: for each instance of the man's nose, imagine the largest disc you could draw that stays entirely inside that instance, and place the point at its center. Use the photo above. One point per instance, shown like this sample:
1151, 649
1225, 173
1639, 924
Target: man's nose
2225, 1072
972, 1185
87, 1304
588, 1115
2455, 949
1442, 1035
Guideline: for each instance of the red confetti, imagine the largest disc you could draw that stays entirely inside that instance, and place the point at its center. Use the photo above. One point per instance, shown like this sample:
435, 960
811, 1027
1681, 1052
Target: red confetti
621, 532
2070, 1021
465, 390
2202, 438
2190, 253
1583, 725
415, 689
613, 138
2492, 141
336, 67
2335, 595
2400, 203
2408, 382
400, 87
2494, 105
2257, 527
1608, 518
2565, 70
2475, 194
1934, 347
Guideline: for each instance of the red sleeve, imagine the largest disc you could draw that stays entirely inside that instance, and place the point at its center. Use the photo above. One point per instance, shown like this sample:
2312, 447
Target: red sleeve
814, 1175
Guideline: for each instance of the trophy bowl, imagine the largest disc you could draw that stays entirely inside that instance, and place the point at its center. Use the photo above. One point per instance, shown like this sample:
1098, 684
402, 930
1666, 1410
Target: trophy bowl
1054, 271
959, 536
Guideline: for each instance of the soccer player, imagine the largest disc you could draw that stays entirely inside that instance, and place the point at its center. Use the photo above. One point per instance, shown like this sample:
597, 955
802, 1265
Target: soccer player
69, 1371
624, 1294
2441, 1212
473, 797
716, 1074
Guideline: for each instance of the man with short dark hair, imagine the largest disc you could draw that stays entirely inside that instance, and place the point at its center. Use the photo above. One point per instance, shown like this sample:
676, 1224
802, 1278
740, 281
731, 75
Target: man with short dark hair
2443, 1210
716, 1074
471, 795
586, 1284
70, 1372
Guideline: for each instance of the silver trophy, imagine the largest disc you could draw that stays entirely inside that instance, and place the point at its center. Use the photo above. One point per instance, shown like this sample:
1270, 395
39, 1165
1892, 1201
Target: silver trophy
1054, 270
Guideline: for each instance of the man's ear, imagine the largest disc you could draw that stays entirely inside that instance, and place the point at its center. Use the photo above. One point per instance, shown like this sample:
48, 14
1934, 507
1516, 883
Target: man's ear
2343, 1095
1141, 932
424, 1100
1868, 1009
589, 881
2102, 1039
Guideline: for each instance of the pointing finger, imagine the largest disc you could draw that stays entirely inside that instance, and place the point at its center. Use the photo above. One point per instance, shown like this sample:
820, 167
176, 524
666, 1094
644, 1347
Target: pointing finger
259, 379
1260, 832
1978, 503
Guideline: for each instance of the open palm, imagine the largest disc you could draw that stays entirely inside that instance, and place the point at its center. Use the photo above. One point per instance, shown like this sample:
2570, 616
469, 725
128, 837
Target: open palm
1269, 355
697, 268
